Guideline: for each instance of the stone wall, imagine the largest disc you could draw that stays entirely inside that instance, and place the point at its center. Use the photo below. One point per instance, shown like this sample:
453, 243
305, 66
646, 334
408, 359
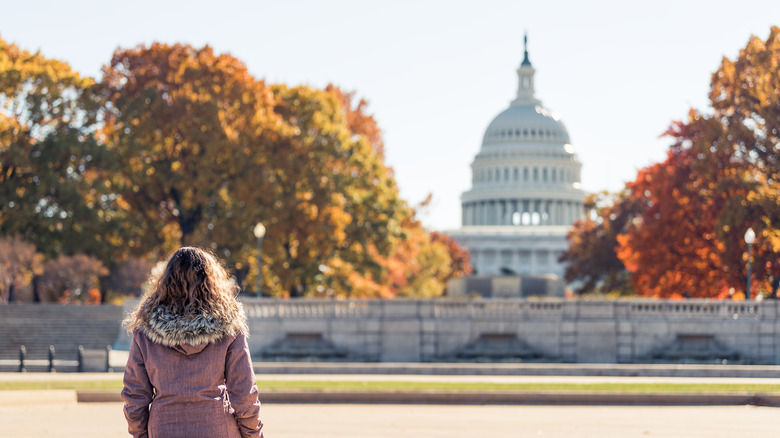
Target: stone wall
581, 331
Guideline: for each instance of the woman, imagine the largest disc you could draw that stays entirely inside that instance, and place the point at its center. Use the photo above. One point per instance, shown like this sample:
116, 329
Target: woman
189, 373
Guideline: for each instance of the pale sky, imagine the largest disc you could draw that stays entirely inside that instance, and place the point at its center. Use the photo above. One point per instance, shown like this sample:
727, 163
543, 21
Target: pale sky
436, 72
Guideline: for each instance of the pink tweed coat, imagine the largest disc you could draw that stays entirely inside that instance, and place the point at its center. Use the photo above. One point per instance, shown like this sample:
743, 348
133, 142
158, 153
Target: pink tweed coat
191, 377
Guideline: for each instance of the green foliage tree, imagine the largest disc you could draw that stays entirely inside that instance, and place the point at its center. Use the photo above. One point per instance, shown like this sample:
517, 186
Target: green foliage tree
51, 192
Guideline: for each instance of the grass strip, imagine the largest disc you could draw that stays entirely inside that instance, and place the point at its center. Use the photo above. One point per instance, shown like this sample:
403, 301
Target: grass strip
391, 386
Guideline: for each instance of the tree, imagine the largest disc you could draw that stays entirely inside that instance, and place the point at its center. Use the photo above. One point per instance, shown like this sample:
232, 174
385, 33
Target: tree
671, 247
591, 261
746, 98
183, 124
51, 192
128, 277
358, 122
19, 263
679, 227
327, 199
73, 278
460, 258
720, 178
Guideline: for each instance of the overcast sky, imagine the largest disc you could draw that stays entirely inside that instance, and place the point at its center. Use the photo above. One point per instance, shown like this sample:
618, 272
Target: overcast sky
436, 72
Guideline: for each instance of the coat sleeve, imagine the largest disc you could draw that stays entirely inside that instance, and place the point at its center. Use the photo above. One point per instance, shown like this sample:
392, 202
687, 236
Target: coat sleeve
241, 387
138, 392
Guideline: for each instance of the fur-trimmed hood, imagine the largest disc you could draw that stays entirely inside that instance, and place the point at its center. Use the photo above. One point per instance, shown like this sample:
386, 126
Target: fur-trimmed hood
167, 327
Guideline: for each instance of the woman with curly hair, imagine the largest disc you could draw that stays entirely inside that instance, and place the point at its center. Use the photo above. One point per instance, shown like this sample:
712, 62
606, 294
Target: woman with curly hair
189, 372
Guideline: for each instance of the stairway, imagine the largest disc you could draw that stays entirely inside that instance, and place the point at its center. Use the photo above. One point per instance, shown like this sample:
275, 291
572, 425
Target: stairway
36, 326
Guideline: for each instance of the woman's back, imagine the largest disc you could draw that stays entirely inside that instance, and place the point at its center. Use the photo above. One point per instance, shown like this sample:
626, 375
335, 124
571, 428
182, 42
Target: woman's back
189, 371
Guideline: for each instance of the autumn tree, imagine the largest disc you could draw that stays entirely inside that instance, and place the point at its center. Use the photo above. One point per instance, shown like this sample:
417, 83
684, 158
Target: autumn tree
358, 121
20, 262
460, 259
73, 278
51, 192
591, 262
327, 199
181, 146
128, 277
720, 178
746, 98
183, 124
678, 228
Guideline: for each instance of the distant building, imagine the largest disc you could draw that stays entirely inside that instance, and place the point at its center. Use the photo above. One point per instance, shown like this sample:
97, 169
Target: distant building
525, 191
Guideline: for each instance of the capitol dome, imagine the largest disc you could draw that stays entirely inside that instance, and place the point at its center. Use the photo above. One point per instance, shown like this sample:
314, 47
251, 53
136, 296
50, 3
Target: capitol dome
526, 123
525, 192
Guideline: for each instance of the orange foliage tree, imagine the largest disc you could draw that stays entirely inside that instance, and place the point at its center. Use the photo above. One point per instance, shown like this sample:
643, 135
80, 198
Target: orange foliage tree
720, 177
177, 145
679, 227
20, 262
591, 262
183, 124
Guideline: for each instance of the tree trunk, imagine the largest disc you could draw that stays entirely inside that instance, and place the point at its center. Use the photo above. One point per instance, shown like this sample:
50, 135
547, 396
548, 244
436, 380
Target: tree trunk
36, 293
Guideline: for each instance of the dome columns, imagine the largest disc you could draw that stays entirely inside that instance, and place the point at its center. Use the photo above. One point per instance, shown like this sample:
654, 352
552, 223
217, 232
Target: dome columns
521, 212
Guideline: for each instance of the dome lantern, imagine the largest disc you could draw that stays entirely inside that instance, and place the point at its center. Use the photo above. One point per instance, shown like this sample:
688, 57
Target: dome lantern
525, 76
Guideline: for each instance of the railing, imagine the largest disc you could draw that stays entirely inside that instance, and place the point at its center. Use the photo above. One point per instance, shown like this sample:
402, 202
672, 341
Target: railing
693, 308
498, 308
51, 363
307, 308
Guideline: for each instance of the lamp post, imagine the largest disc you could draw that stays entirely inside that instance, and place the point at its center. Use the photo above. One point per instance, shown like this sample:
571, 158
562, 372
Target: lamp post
750, 237
259, 232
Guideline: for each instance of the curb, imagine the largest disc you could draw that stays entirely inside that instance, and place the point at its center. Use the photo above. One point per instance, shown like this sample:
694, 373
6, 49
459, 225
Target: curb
520, 369
489, 398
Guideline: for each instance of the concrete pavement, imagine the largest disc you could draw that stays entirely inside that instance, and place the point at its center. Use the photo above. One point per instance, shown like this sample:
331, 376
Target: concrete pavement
50, 414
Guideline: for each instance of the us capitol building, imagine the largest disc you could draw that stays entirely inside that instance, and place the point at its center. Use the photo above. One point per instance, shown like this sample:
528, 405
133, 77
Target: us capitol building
525, 195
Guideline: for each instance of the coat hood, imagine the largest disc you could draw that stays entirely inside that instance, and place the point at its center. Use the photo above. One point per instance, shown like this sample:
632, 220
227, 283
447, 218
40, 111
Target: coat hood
189, 334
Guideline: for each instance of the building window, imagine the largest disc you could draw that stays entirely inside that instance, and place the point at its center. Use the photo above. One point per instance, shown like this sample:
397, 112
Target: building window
542, 258
516, 218
506, 174
506, 259
554, 176
536, 174
544, 174
525, 258
525, 174
490, 258
515, 173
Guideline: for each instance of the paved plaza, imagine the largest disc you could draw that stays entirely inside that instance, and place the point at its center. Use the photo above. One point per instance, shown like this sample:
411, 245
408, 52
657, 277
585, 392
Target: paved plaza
26, 414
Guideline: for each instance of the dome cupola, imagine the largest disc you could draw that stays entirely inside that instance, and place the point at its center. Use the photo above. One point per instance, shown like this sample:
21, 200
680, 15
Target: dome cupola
526, 172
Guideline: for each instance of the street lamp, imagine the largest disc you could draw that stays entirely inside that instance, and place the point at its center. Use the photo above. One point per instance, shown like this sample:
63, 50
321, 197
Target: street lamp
259, 233
750, 237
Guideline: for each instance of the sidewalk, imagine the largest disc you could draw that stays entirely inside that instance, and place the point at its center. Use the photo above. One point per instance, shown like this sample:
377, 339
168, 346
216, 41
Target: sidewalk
45, 414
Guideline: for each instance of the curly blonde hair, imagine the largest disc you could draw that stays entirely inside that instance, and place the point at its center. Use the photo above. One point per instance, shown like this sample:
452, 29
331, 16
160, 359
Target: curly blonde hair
194, 282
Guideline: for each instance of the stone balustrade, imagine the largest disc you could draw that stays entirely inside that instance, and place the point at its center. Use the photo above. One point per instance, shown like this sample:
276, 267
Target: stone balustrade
595, 331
